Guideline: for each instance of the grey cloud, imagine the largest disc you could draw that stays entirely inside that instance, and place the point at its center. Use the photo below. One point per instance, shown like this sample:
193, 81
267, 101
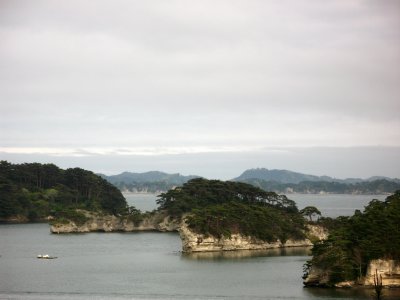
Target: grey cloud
125, 74
339, 162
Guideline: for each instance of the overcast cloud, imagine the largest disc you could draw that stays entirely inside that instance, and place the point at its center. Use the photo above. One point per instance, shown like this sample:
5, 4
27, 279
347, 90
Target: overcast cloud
192, 83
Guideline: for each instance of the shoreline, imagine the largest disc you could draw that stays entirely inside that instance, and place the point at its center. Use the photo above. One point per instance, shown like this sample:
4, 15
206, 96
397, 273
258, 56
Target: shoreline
285, 193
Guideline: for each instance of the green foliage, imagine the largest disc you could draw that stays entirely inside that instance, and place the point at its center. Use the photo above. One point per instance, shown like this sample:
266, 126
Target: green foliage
64, 216
199, 193
222, 208
310, 211
263, 222
135, 215
356, 240
38, 190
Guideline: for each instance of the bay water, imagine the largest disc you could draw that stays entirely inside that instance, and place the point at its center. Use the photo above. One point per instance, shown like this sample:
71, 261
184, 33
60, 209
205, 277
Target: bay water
148, 265
330, 205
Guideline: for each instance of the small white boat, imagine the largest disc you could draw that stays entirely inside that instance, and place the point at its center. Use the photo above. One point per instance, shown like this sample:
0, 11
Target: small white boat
46, 256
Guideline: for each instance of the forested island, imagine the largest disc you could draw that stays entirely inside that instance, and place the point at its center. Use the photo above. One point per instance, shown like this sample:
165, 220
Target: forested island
44, 192
357, 246
212, 215
219, 208
38, 192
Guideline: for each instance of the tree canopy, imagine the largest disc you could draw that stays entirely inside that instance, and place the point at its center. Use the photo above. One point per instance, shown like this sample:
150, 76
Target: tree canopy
37, 190
310, 211
354, 241
200, 192
222, 208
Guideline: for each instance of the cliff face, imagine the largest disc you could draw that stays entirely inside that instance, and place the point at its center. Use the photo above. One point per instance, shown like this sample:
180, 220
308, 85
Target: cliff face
194, 242
388, 269
191, 241
109, 223
316, 233
317, 278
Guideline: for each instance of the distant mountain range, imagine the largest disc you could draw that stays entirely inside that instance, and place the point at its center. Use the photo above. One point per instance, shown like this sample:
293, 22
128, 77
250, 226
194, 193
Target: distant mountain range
284, 181
285, 176
280, 181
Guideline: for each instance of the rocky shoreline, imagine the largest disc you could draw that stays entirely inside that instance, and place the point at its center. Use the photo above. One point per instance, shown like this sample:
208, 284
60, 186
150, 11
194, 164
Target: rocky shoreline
387, 268
195, 242
111, 223
191, 241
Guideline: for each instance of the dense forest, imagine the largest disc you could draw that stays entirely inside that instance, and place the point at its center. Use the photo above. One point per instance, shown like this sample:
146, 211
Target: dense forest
33, 191
222, 208
354, 241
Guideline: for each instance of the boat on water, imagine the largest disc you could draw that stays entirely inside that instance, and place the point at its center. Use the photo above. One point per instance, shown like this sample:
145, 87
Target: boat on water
46, 256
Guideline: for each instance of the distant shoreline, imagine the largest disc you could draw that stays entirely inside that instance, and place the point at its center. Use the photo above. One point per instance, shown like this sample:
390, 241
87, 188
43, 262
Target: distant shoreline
141, 193
321, 194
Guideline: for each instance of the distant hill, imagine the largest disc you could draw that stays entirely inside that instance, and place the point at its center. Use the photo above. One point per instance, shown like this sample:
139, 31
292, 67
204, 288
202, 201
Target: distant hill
285, 176
376, 187
282, 176
148, 182
279, 181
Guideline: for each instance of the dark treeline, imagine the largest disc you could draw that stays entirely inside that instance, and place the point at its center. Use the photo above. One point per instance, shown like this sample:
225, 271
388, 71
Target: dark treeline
35, 191
222, 208
356, 240
379, 186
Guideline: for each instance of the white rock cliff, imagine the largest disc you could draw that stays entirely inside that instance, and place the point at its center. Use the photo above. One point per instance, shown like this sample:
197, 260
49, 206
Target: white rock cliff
388, 269
194, 242
109, 223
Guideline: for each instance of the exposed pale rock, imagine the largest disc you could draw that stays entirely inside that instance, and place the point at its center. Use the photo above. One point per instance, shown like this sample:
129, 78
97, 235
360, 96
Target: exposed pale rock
109, 223
316, 232
317, 277
194, 242
191, 241
388, 269
345, 284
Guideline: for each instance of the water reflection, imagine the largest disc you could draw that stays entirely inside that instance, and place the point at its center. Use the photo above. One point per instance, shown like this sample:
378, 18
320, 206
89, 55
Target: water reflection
353, 293
241, 254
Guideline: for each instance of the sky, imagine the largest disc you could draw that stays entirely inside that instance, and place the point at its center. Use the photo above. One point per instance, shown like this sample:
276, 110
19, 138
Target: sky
202, 87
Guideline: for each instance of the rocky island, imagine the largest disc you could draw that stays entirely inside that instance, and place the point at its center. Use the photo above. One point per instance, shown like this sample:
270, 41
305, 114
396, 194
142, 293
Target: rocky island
359, 248
191, 241
212, 215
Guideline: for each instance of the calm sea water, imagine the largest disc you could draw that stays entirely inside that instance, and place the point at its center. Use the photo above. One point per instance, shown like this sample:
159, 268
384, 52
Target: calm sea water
146, 266
334, 205
330, 205
144, 202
